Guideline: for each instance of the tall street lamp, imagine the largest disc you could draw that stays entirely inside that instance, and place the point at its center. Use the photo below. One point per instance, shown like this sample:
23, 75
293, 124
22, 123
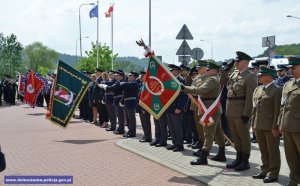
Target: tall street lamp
290, 16
211, 45
80, 25
76, 46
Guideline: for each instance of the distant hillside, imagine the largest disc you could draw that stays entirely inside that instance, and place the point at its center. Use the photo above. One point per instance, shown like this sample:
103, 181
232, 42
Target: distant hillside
71, 60
291, 49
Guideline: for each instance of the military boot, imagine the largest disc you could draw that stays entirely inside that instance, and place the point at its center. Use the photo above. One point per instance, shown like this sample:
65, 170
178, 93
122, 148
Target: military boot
220, 156
202, 160
244, 165
236, 162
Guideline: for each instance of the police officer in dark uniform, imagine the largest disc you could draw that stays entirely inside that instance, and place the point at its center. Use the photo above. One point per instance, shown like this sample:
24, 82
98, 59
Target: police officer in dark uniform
108, 99
118, 94
144, 115
282, 76
130, 90
187, 121
175, 114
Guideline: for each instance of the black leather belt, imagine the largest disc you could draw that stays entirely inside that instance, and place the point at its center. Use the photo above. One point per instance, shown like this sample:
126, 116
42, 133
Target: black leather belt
237, 98
208, 99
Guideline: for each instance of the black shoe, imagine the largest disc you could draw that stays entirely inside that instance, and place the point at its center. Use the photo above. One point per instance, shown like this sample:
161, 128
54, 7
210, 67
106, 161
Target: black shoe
154, 143
145, 140
118, 132
269, 180
189, 145
178, 149
236, 162
258, 176
160, 145
202, 160
197, 153
244, 165
110, 129
220, 156
128, 136
171, 147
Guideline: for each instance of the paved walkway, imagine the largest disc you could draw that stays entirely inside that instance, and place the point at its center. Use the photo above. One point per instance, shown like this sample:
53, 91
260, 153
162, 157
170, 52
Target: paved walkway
34, 146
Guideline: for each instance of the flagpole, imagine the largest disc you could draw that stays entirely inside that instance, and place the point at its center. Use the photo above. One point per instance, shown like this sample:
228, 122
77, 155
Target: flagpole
150, 23
112, 38
97, 34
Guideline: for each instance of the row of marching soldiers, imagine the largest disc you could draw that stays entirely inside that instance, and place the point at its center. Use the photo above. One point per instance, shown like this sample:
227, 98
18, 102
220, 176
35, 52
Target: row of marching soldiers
271, 110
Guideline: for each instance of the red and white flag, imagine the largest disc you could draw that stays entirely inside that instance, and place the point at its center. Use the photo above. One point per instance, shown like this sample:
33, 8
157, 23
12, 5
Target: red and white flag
110, 11
34, 86
21, 84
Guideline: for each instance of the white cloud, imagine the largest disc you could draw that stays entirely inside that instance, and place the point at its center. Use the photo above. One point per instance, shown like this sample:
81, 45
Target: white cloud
230, 25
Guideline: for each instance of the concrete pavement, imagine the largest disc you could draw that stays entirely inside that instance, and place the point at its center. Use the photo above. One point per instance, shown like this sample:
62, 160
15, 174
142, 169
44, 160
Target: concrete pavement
34, 146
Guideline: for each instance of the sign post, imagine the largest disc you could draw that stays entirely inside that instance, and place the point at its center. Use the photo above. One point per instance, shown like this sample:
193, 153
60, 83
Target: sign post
269, 42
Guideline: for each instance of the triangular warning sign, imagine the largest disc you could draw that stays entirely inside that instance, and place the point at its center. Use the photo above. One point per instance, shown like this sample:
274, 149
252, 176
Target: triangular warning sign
184, 49
184, 33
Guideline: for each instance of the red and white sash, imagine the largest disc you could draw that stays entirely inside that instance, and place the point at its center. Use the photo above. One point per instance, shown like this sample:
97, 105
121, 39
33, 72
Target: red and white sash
206, 118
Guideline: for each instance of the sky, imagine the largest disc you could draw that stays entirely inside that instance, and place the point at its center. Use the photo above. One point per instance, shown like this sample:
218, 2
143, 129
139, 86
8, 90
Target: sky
229, 25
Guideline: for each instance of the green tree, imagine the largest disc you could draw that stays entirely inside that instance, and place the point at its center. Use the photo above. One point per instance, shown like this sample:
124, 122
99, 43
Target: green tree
128, 66
38, 55
90, 63
10, 55
43, 71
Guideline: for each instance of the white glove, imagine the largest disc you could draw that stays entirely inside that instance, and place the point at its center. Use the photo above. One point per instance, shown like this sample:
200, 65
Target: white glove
103, 86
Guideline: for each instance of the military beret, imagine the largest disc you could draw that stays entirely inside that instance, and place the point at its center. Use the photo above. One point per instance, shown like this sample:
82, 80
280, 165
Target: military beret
99, 70
242, 56
183, 67
266, 70
172, 66
135, 74
211, 65
293, 61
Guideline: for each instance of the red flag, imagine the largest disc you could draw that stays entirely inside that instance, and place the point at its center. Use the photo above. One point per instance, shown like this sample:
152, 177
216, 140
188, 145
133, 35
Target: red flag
110, 11
34, 86
160, 89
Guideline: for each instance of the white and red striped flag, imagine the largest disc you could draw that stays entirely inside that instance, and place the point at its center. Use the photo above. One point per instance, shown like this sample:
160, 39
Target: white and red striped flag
110, 11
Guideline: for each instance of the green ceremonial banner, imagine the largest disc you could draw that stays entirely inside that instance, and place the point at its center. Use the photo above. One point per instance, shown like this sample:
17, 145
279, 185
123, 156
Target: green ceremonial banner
160, 89
71, 86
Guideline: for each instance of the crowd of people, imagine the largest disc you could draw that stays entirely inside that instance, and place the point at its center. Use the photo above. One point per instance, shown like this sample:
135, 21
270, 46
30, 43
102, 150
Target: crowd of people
260, 98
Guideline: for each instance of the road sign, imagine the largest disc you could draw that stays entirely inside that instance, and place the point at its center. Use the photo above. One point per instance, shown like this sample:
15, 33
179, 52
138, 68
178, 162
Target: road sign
184, 49
268, 41
184, 58
184, 33
197, 53
160, 58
